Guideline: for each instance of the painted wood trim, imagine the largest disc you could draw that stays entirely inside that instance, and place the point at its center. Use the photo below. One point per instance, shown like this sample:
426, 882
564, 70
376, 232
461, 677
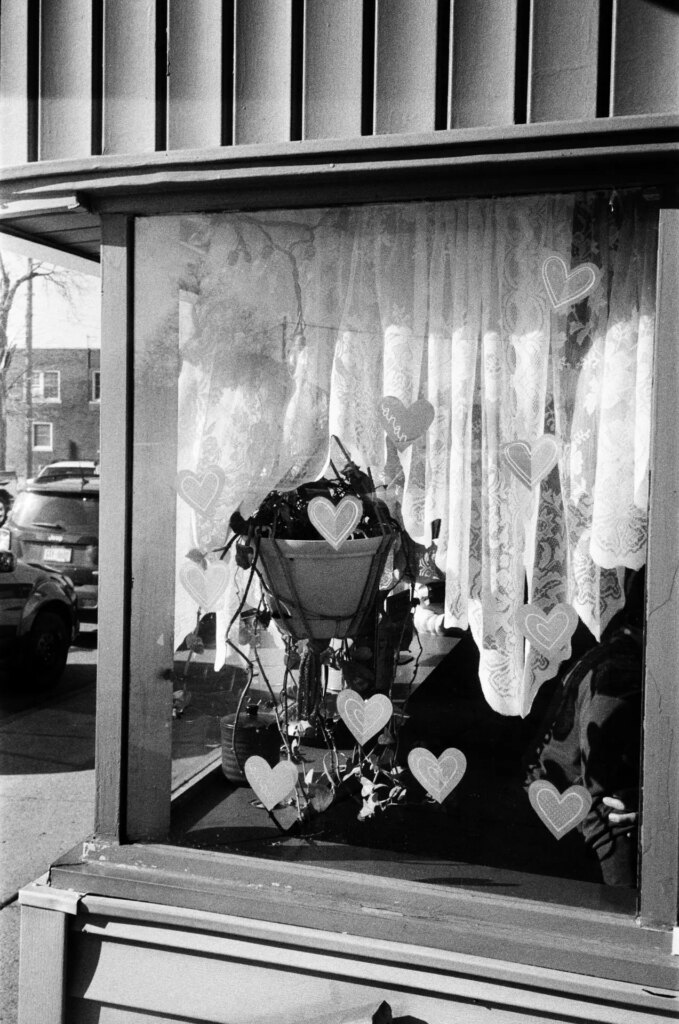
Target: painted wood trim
194, 111
66, 38
593, 942
353, 947
405, 66
333, 62
210, 963
645, 57
114, 542
264, 187
563, 64
483, 62
534, 138
129, 80
154, 505
42, 966
660, 833
263, 71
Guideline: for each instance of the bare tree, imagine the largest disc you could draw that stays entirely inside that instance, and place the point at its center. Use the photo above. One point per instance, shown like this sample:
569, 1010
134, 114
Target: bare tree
12, 280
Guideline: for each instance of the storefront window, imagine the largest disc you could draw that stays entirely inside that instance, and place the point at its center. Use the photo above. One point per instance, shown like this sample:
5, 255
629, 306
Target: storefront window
411, 489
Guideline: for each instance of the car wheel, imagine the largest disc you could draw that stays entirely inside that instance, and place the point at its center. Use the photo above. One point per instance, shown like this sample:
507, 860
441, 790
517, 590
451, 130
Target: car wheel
47, 650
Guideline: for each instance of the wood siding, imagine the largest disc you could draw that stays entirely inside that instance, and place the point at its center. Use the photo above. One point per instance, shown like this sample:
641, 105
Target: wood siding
139, 76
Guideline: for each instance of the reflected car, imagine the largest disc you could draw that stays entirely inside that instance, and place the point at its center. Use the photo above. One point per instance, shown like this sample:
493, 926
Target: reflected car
56, 524
38, 623
65, 470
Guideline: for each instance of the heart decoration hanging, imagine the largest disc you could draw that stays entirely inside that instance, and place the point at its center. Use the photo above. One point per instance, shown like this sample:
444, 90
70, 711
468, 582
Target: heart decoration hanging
439, 776
531, 463
560, 812
270, 785
565, 287
404, 425
206, 586
548, 632
335, 522
201, 490
364, 718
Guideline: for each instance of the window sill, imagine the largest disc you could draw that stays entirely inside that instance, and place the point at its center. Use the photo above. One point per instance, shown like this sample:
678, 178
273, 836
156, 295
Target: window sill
603, 941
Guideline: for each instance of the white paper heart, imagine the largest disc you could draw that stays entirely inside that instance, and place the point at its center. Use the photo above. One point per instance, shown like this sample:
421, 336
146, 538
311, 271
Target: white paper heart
439, 776
335, 522
560, 812
364, 718
404, 425
549, 632
205, 586
270, 785
201, 491
565, 287
531, 463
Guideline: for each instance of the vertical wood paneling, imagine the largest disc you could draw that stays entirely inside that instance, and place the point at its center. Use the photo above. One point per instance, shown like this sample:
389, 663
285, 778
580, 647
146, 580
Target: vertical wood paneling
333, 41
66, 80
14, 83
405, 71
129, 106
42, 966
484, 62
154, 510
195, 78
645, 58
660, 828
564, 43
262, 103
114, 530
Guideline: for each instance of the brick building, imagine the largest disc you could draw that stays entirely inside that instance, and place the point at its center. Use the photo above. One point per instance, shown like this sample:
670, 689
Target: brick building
59, 418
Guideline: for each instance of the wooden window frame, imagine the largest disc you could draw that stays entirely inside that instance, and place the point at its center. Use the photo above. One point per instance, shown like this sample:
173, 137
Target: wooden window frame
38, 394
129, 856
42, 447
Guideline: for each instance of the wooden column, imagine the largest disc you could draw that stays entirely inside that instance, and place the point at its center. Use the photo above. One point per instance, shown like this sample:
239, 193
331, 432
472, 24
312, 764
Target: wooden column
484, 61
263, 85
562, 77
129, 107
645, 58
660, 829
18, 82
194, 115
154, 512
66, 46
333, 60
114, 527
405, 71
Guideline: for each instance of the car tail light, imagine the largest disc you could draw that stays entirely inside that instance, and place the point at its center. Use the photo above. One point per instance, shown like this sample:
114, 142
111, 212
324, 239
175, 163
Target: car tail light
5, 540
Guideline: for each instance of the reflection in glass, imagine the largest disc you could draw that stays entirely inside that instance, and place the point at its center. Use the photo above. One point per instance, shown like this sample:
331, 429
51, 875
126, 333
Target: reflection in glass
440, 413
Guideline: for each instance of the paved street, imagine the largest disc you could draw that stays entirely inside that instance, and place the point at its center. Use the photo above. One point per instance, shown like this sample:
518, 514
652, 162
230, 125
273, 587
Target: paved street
46, 791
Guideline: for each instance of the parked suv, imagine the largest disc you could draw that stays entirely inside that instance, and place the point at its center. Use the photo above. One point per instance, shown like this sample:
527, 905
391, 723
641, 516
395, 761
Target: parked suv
38, 623
56, 523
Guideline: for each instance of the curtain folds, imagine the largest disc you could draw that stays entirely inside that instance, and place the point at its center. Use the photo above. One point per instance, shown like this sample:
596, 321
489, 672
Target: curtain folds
526, 324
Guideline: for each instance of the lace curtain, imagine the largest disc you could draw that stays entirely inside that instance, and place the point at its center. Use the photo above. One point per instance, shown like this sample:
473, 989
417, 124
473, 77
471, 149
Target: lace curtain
526, 324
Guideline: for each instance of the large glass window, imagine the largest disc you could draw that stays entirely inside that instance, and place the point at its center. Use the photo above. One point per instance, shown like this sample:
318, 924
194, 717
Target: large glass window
412, 460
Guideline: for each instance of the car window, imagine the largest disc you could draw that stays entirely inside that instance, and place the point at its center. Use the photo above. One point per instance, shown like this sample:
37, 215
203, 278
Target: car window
58, 511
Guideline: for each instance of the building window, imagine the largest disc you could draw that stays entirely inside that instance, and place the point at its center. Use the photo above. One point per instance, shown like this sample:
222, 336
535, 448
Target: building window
95, 386
465, 412
46, 386
42, 437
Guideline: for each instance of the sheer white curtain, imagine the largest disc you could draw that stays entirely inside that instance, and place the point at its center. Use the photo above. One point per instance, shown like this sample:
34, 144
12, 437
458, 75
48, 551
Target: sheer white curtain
526, 323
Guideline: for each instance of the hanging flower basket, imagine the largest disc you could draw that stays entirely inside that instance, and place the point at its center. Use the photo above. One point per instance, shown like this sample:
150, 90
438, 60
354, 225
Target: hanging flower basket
317, 592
